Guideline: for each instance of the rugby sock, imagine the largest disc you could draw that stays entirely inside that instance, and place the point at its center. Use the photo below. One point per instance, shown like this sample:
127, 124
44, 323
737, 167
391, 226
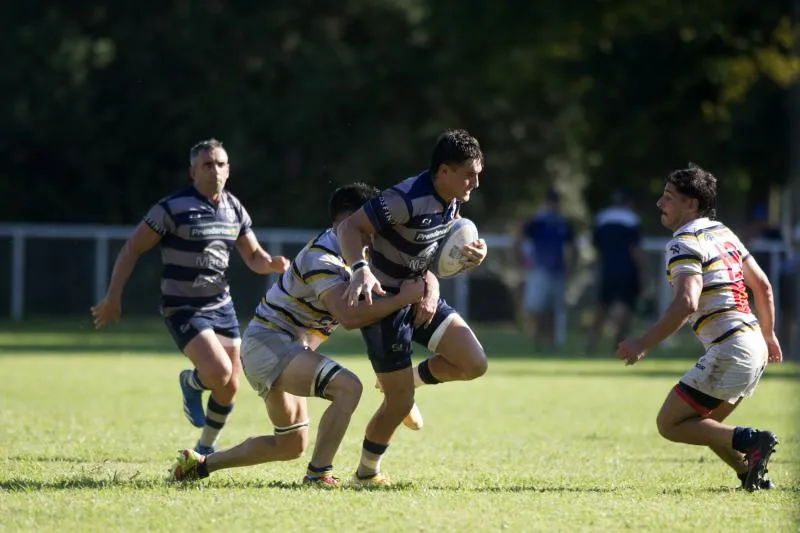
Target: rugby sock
318, 471
216, 416
744, 438
202, 469
422, 375
194, 381
371, 454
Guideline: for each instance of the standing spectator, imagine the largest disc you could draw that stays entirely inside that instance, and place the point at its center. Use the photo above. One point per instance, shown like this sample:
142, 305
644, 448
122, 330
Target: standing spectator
545, 248
617, 239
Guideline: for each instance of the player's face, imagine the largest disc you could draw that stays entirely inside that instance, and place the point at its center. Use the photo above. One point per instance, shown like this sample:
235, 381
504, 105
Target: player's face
676, 208
458, 181
211, 170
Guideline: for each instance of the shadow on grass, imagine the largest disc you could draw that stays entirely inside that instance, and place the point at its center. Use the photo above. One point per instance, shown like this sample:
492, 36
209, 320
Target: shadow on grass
81, 482
148, 336
139, 348
621, 372
75, 460
117, 481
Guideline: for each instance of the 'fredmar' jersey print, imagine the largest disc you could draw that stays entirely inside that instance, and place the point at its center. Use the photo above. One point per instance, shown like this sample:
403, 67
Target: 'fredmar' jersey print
293, 304
197, 240
708, 248
410, 220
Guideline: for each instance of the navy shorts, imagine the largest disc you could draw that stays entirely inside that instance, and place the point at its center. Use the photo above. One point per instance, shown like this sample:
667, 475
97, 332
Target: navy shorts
625, 291
389, 340
184, 325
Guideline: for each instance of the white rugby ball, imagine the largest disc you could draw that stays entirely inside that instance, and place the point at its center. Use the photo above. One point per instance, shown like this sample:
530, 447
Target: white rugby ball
448, 261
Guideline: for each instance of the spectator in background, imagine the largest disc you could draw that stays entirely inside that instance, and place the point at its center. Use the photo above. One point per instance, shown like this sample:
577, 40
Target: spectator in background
545, 248
761, 232
617, 240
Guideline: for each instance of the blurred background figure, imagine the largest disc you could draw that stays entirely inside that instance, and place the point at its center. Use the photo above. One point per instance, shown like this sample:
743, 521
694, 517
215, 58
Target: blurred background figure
545, 247
617, 240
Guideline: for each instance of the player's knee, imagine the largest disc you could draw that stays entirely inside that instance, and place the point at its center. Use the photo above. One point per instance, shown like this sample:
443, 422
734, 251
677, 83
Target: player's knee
292, 445
345, 391
665, 427
398, 404
218, 375
476, 366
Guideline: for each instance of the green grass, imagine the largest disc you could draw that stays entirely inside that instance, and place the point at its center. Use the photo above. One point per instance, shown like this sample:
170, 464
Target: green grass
89, 423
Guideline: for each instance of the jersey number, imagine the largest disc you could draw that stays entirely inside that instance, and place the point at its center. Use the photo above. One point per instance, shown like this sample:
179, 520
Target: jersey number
730, 257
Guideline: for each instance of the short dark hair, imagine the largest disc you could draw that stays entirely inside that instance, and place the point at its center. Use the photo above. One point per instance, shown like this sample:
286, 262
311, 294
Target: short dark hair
455, 146
349, 198
699, 184
201, 147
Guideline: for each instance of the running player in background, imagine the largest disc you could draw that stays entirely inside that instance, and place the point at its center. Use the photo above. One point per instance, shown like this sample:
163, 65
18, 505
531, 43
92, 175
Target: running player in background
403, 227
198, 227
709, 268
280, 358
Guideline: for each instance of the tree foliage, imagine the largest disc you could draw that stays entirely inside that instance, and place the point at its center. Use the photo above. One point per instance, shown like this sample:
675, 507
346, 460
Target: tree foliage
101, 101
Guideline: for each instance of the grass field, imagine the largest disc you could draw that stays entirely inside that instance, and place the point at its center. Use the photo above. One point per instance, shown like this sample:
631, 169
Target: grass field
89, 423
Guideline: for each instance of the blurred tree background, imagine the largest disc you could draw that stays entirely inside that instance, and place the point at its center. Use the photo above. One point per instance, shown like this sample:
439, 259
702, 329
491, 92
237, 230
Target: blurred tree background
101, 101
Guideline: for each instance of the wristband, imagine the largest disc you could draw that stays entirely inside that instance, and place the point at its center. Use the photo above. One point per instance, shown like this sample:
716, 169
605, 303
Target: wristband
358, 265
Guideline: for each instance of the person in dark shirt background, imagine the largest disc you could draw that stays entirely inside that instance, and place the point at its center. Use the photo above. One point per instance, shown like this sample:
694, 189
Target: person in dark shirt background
617, 240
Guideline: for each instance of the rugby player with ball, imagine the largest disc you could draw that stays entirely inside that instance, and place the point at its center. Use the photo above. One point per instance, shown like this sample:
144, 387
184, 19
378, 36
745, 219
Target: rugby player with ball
404, 228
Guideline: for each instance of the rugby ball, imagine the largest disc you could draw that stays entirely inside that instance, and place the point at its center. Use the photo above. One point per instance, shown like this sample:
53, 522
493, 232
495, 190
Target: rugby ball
447, 262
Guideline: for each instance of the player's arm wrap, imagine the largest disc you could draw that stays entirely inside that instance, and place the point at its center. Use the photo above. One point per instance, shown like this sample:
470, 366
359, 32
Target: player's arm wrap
358, 265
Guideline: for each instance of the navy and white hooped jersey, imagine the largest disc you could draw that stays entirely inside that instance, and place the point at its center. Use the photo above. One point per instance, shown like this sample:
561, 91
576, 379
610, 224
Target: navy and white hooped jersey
708, 248
294, 304
197, 239
410, 220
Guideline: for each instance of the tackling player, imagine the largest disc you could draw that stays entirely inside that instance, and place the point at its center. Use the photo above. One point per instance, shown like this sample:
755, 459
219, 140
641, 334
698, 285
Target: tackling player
403, 227
709, 268
197, 227
281, 361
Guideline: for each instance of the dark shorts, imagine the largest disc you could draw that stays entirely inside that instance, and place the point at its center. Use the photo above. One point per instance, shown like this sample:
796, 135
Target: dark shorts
699, 401
389, 340
185, 325
624, 291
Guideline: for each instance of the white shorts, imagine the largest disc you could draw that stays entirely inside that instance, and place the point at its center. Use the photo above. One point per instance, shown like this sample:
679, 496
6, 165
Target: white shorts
731, 369
265, 354
544, 291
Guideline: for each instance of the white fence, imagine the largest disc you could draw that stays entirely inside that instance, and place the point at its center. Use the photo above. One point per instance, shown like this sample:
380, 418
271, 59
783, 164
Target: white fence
274, 241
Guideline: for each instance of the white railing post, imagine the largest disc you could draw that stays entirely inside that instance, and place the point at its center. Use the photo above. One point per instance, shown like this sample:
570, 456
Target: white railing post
17, 274
100, 266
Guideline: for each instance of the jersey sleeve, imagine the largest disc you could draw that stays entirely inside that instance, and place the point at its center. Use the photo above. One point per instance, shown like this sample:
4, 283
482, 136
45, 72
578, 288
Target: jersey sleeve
683, 256
744, 253
323, 271
159, 219
246, 223
390, 208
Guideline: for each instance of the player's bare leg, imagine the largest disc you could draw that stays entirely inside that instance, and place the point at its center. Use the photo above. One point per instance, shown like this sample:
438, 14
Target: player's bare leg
732, 458
289, 414
306, 375
680, 422
459, 356
398, 399
217, 367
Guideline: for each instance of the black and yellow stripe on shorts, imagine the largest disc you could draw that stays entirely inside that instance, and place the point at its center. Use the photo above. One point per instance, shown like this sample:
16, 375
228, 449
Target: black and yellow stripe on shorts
741, 328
